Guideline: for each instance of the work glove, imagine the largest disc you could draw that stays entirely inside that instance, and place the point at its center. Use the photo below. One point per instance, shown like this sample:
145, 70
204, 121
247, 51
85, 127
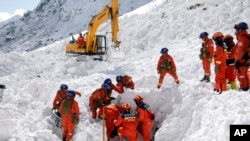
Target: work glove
237, 65
210, 60
216, 68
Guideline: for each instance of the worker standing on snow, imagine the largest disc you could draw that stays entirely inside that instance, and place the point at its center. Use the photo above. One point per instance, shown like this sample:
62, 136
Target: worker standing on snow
220, 56
206, 55
60, 95
127, 124
146, 118
166, 65
97, 98
110, 113
124, 82
231, 50
241, 55
69, 111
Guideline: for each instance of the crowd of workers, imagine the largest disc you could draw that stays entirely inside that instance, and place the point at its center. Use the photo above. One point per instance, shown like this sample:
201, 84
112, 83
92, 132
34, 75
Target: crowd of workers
231, 61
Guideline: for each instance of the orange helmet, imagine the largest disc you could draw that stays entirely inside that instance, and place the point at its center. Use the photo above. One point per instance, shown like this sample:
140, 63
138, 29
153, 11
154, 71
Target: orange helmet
126, 106
227, 37
217, 35
138, 98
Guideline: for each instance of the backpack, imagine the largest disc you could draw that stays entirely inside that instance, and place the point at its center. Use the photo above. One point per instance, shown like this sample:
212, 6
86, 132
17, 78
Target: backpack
66, 106
146, 107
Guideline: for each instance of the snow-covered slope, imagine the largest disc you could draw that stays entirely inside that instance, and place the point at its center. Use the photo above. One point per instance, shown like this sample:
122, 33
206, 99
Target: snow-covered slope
185, 112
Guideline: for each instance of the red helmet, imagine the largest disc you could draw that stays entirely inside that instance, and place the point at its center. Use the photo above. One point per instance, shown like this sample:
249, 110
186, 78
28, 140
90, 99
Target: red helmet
217, 35
138, 98
126, 106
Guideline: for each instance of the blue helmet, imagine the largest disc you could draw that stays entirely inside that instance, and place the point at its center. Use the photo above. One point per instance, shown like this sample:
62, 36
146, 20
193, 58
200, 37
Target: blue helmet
241, 25
71, 93
106, 87
64, 87
164, 50
203, 34
108, 81
118, 78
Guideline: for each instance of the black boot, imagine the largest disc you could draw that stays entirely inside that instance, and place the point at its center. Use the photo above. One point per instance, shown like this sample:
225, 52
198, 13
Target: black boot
64, 139
207, 79
203, 79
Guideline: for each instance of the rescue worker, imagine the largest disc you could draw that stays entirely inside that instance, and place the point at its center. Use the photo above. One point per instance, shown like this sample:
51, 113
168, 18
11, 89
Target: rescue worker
166, 65
206, 55
127, 124
220, 56
241, 55
110, 113
145, 118
231, 50
80, 41
60, 95
96, 100
248, 67
112, 86
124, 81
69, 111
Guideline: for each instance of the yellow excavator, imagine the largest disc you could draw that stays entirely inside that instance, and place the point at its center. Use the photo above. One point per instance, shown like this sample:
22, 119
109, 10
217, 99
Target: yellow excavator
97, 44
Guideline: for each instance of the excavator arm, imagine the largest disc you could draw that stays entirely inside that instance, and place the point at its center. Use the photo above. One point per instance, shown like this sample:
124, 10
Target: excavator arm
97, 20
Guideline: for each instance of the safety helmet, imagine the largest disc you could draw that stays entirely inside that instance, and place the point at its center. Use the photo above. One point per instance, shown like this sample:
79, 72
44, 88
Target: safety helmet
217, 35
164, 50
203, 34
126, 106
71, 93
108, 81
138, 98
118, 78
241, 25
106, 87
228, 38
64, 87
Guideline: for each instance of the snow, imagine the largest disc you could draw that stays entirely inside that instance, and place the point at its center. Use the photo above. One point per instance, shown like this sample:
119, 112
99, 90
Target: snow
188, 111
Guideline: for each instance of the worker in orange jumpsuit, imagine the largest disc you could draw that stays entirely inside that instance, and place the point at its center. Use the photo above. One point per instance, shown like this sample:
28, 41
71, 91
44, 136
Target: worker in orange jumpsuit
110, 113
60, 95
80, 41
166, 65
220, 56
206, 55
124, 82
96, 100
69, 111
146, 118
112, 86
231, 51
241, 55
127, 124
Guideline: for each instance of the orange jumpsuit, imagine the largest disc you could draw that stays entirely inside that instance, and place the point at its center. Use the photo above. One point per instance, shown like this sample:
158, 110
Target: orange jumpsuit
241, 50
166, 65
209, 46
127, 123
67, 119
111, 112
231, 50
126, 82
96, 102
145, 121
220, 57
81, 41
60, 95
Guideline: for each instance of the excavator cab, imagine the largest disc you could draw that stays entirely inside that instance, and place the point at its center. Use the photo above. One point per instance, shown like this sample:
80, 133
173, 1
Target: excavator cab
101, 43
